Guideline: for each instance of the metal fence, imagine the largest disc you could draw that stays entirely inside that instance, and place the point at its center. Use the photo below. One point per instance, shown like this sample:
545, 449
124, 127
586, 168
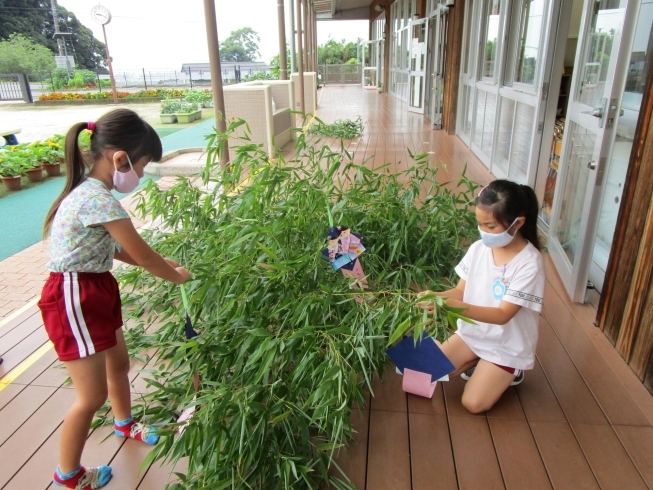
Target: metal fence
15, 87
341, 74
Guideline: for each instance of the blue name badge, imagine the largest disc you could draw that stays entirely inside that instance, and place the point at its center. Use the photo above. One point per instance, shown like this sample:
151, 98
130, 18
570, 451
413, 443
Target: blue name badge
498, 289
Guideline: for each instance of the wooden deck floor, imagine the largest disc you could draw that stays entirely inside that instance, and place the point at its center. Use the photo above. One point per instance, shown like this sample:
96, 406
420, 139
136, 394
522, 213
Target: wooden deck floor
580, 420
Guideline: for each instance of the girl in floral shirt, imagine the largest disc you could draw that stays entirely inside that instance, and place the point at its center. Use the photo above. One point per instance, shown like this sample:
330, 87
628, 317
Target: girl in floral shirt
80, 302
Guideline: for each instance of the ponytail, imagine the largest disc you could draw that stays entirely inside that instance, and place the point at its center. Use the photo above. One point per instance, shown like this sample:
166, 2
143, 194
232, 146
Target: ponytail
508, 201
530, 209
75, 170
120, 129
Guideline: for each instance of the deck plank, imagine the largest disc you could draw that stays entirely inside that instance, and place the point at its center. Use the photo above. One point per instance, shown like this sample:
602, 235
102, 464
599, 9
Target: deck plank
638, 441
32, 434
434, 405
388, 464
507, 407
572, 393
611, 394
15, 335
21, 408
563, 458
432, 464
537, 398
10, 392
17, 354
38, 471
608, 459
158, 475
352, 460
520, 461
388, 394
40, 366
18, 320
476, 460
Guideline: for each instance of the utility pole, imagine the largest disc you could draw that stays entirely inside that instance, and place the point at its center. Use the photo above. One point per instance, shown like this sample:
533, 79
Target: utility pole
60, 45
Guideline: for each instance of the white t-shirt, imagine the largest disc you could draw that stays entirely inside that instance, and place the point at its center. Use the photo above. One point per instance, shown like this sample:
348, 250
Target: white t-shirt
487, 284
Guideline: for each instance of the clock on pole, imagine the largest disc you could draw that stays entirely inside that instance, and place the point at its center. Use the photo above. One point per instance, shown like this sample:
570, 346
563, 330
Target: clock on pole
101, 15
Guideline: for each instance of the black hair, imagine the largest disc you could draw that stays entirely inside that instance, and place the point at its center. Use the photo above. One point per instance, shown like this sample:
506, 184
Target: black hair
508, 201
121, 129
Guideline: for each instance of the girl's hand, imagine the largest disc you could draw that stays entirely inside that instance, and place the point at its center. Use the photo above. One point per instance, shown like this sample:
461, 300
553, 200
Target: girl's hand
429, 306
184, 275
172, 263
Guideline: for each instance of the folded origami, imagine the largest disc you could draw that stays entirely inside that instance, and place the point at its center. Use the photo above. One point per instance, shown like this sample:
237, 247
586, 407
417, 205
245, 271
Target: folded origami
422, 364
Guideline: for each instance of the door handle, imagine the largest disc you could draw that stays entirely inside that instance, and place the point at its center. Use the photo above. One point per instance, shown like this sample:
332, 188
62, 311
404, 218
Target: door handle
596, 112
592, 165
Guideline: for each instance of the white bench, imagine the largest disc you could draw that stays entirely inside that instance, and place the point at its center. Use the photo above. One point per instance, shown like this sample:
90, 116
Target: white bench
10, 135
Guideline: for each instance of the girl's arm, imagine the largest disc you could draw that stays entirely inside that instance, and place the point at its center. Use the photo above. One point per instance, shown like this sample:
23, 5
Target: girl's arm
136, 251
453, 293
487, 314
123, 256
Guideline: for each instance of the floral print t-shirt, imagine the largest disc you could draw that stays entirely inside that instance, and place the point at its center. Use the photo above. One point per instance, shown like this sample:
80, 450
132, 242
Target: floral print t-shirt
76, 245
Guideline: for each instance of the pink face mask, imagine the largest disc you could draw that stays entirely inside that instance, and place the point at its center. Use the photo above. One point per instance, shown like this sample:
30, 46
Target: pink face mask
125, 182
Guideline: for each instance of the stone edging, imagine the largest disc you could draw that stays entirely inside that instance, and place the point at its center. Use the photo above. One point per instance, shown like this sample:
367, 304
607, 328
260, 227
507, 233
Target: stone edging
107, 101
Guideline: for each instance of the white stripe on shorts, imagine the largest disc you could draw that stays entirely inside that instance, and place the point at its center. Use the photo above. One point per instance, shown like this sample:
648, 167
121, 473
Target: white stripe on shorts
75, 315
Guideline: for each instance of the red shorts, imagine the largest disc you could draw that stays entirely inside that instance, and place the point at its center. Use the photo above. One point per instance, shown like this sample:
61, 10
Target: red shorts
510, 370
81, 312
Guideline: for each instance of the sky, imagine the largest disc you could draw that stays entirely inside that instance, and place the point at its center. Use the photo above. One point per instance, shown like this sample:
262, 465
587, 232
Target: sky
157, 34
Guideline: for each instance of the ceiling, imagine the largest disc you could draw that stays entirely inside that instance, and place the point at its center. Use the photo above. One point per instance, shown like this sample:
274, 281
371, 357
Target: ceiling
342, 9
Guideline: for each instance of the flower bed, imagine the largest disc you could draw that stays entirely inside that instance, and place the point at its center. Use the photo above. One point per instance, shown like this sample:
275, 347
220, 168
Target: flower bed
152, 94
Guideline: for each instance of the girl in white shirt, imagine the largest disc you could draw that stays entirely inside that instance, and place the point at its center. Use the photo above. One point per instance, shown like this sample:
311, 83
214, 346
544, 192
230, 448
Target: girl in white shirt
501, 287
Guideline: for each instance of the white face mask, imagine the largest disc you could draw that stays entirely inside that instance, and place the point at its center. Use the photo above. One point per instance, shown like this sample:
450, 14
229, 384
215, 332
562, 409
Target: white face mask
125, 182
497, 240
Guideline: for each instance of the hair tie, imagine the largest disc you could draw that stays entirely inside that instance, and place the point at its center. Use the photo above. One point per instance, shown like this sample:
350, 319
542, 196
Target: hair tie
90, 126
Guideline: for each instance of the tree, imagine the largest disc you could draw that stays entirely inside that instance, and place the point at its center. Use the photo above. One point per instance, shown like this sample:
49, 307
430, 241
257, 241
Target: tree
33, 19
19, 54
275, 67
241, 45
336, 53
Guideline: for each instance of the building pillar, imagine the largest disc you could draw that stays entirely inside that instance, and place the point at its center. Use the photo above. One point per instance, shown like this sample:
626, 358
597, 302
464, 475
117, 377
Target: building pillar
454, 48
293, 51
387, 47
216, 74
300, 54
305, 31
283, 63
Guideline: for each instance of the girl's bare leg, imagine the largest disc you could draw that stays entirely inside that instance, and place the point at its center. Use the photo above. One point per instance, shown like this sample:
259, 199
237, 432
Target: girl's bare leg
117, 362
485, 387
459, 354
89, 379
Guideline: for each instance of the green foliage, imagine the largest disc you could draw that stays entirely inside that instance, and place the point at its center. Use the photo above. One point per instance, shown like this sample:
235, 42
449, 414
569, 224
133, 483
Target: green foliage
19, 54
198, 96
275, 66
342, 128
241, 45
33, 19
170, 106
337, 53
284, 348
260, 76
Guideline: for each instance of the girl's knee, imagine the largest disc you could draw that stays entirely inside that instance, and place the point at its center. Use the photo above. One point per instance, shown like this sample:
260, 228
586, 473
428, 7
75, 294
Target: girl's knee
92, 402
475, 404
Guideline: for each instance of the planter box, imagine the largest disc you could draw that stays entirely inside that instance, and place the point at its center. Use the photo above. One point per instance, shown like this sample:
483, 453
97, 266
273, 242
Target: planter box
108, 101
189, 117
168, 118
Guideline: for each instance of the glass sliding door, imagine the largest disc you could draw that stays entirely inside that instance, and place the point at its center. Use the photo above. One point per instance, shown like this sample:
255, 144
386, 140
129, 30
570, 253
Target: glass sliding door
592, 134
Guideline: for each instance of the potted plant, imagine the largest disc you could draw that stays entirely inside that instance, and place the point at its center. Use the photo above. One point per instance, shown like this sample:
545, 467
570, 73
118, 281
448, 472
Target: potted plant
53, 155
188, 112
168, 109
33, 156
379, 87
202, 98
11, 167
